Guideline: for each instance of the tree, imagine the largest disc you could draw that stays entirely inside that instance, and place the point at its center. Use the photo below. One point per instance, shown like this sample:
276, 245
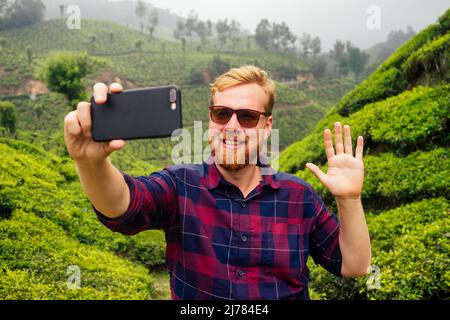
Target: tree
222, 28
348, 58
141, 11
339, 57
287, 72
263, 34
190, 24
397, 37
316, 46
8, 117
64, 72
275, 36
306, 45
180, 34
218, 66
209, 27
20, 13
196, 76
249, 42
138, 45
282, 36
152, 20
202, 32
317, 66
234, 33
357, 59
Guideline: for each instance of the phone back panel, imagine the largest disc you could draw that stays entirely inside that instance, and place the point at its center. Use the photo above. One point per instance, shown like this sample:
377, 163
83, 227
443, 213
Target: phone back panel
136, 114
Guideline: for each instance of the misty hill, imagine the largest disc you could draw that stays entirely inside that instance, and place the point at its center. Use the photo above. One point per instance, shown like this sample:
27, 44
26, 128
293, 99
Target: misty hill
402, 110
47, 227
381, 51
122, 12
138, 61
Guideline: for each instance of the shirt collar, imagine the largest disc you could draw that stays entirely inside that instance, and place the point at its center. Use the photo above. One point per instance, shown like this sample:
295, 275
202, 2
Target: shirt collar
212, 177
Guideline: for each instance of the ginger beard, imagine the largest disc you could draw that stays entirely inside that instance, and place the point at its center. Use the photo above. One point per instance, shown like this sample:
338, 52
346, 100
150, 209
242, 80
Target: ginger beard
234, 150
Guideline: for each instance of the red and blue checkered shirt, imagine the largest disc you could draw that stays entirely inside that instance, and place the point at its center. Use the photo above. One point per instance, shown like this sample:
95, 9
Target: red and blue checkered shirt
221, 245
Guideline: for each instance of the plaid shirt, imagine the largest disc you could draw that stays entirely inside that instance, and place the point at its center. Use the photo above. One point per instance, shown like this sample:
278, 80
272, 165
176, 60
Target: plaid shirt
221, 245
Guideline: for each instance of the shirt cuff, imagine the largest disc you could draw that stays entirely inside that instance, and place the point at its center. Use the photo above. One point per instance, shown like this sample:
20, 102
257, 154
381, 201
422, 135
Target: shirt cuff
133, 207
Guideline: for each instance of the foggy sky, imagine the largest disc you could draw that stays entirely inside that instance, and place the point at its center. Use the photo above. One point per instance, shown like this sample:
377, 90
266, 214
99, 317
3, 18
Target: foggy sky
329, 19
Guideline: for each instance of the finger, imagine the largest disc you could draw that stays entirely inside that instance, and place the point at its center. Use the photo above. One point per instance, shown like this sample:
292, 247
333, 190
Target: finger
100, 93
115, 87
114, 145
317, 172
329, 150
360, 148
348, 140
71, 124
84, 117
338, 138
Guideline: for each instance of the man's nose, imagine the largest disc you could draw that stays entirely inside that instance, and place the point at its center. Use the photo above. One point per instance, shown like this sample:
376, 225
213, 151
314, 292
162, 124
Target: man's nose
233, 123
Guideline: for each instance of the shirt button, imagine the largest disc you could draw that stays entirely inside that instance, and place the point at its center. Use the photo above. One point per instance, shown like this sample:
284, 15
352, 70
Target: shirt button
241, 273
243, 204
244, 238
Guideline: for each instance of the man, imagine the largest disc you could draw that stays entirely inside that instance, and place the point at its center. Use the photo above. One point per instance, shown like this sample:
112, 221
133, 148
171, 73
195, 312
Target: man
233, 231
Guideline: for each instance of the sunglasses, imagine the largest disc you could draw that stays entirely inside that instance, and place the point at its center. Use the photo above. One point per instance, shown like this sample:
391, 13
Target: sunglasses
247, 118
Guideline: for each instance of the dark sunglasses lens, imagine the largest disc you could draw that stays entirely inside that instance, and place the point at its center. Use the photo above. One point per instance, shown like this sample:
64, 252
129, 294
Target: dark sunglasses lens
221, 115
247, 118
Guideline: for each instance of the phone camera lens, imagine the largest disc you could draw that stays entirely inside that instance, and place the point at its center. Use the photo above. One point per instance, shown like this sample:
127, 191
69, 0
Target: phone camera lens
172, 95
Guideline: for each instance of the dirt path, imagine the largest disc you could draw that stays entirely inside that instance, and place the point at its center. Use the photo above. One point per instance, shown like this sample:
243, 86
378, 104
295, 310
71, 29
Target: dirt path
162, 285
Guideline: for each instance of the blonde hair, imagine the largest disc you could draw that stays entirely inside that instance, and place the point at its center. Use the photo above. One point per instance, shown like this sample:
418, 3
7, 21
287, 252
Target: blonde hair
244, 75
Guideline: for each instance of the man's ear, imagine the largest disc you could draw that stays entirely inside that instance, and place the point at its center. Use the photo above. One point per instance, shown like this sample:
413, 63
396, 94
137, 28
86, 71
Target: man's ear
268, 127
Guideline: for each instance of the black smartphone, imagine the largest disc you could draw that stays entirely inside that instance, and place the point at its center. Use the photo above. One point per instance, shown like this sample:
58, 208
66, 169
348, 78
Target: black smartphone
137, 114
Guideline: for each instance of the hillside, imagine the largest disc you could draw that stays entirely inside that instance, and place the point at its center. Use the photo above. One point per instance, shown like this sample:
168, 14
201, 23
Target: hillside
402, 110
46, 223
122, 12
157, 62
46, 226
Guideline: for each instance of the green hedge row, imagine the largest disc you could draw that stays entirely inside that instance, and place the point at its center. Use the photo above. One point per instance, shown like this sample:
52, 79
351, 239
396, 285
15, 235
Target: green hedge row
413, 120
391, 180
410, 246
36, 258
431, 58
380, 85
38, 182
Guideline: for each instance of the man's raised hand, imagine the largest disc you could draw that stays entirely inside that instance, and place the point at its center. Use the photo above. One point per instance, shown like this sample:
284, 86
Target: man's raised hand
345, 175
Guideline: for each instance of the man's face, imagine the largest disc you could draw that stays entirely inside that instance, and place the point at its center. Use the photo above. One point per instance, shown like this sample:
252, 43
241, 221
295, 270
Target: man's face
234, 146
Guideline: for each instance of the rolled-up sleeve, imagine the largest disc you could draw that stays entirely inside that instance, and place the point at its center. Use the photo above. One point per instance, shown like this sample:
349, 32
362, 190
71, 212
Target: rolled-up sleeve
324, 246
152, 205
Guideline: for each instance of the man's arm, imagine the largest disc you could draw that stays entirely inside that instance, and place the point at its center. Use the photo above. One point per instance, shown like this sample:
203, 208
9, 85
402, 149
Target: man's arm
102, 182
354, 238
344, 179
122, 203
105, 187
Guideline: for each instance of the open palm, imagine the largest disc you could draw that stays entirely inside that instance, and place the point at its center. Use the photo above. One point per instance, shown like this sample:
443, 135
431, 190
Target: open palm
345, 174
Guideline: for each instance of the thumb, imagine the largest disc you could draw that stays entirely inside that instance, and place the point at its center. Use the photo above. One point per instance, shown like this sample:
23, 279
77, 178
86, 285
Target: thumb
114, 145
317, 172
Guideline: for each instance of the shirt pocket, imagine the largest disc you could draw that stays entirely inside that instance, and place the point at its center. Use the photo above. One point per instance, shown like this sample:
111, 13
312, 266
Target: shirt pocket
282, 250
